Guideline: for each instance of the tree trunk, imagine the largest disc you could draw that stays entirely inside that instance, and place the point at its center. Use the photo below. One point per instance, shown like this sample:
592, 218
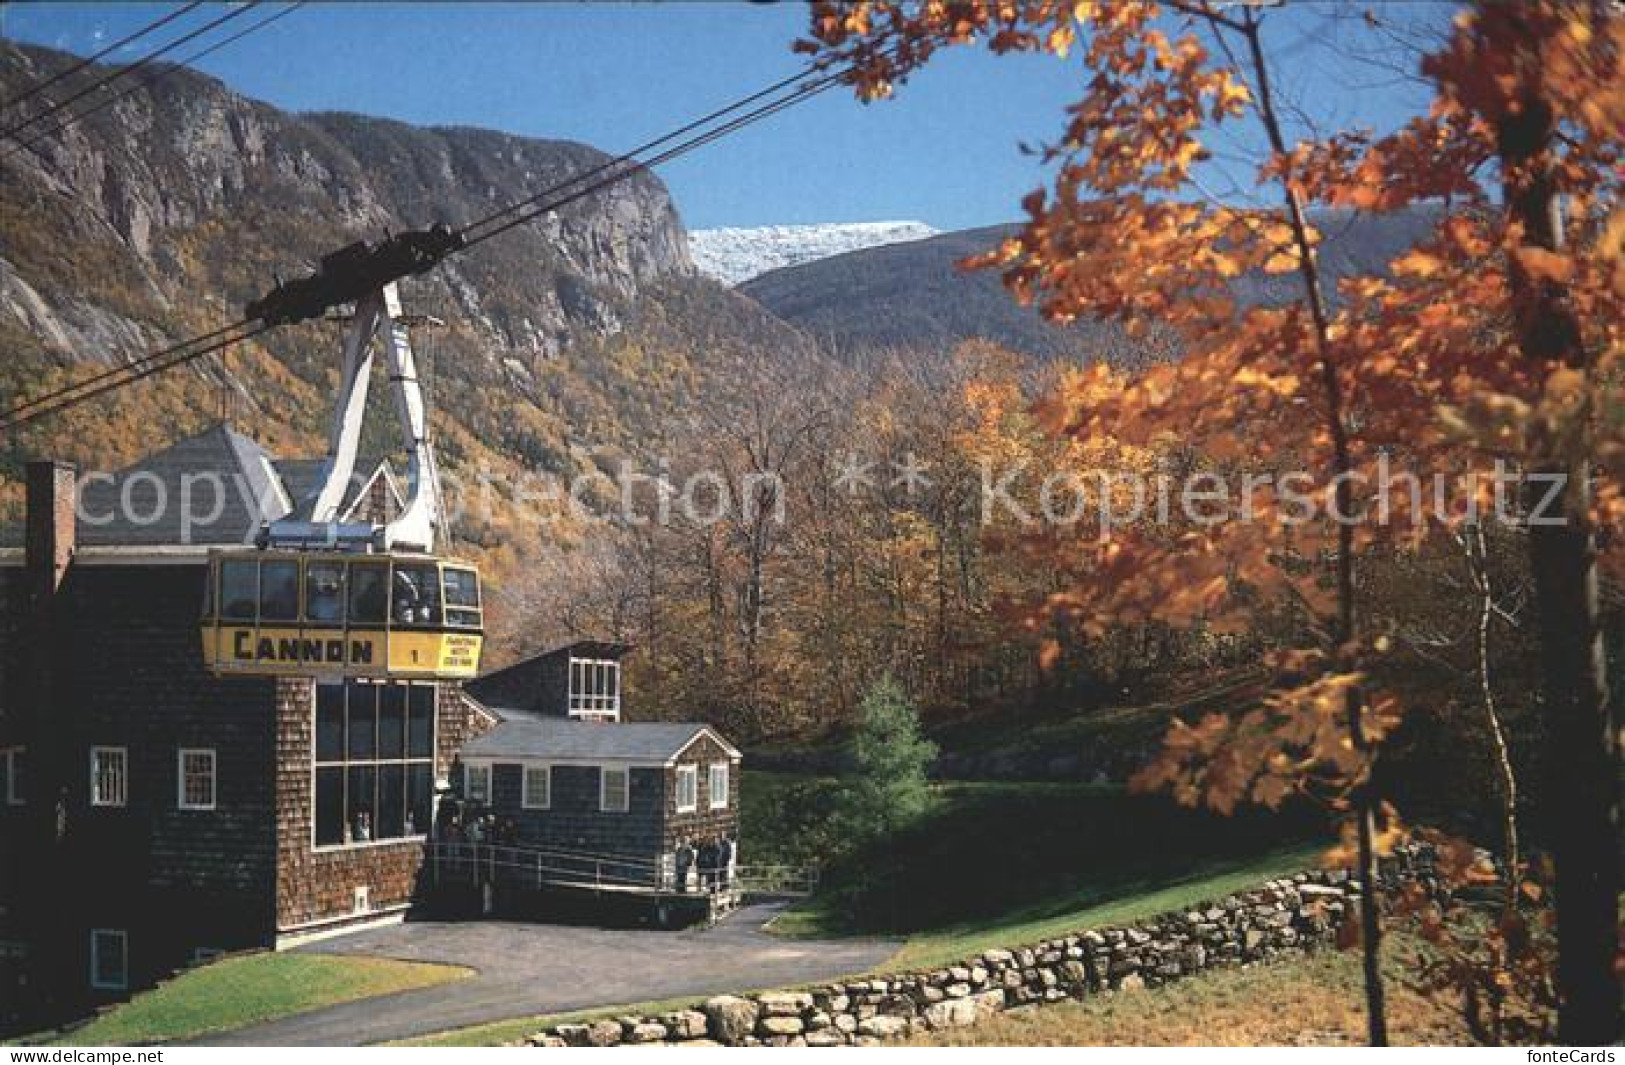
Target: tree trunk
1581, 752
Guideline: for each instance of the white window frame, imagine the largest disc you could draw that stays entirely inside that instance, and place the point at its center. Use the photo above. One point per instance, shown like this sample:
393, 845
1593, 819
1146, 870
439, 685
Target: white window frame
528, 800
690, 773
12, 757
123, 776
181, 756
96, 983
603, 789
586, 701
711, 788
470, 769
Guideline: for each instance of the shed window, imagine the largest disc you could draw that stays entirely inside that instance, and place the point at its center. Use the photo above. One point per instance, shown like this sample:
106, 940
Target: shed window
717, 786
195, 772
374, 761
11, 776
477, 783
109, 776
688, 786
613, 789
595, 688
537, 793
109, 959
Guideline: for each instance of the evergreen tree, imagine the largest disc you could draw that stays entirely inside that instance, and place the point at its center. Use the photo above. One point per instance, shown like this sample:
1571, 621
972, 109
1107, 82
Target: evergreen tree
890, 789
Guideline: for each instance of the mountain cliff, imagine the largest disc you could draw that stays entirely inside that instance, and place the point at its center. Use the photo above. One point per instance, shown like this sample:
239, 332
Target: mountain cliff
161, 215
914, 296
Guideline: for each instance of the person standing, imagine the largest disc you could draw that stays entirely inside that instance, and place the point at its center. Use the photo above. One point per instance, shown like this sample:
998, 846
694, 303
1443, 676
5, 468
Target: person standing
684, 859
725, 861
708, 864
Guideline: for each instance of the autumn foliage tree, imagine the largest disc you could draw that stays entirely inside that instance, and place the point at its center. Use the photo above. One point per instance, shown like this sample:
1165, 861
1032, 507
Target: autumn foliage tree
1493, 341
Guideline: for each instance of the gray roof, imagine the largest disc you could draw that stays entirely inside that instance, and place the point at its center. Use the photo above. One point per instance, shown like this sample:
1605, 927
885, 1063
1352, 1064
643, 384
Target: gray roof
303, 479
217, 487
524, 735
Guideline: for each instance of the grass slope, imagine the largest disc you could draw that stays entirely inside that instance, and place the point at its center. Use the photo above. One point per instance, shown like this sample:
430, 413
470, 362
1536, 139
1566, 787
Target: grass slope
1294, 1000
1006, 859
240, 991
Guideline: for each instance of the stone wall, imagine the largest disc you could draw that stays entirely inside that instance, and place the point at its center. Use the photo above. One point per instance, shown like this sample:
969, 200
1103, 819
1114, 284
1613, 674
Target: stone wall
1282, 915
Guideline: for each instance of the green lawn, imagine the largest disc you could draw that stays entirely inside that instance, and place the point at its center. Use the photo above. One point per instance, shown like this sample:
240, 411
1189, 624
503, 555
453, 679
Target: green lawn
998, 856
239, 991
1094, 909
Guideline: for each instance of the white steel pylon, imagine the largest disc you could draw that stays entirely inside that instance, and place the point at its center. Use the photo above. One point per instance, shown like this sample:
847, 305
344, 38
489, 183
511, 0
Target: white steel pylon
416, 527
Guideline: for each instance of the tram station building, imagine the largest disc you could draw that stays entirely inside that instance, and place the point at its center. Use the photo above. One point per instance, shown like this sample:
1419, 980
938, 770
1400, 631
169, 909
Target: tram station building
155, 813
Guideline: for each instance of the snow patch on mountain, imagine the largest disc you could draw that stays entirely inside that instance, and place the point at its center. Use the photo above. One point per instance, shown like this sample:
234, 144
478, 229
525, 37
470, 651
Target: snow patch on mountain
734, 255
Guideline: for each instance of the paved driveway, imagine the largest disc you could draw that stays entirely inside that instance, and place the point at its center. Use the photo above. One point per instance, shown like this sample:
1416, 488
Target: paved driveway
527, 969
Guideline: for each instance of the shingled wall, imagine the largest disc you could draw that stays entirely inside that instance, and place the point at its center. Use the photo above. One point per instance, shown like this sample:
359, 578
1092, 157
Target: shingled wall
318, 885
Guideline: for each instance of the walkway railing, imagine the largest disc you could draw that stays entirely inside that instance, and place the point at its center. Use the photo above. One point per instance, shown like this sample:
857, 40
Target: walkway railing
543, 867
778, 881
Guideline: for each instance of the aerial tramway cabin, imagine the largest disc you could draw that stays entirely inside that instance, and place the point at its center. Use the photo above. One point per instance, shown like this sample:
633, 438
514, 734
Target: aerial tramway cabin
160, 805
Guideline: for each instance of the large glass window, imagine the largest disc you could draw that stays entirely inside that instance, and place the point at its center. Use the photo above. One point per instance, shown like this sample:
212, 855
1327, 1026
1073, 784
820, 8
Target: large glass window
374, 756
595, 688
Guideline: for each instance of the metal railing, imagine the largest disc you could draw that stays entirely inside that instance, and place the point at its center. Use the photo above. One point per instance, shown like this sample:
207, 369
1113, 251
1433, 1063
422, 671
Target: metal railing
778, 881
543, 867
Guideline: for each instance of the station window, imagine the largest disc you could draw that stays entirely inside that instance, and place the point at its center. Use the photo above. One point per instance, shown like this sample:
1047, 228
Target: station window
595, 688
537, 792
109, 776
374, 762
109, 959
613, 789
194, 770
717, 786
11, 776
688, 785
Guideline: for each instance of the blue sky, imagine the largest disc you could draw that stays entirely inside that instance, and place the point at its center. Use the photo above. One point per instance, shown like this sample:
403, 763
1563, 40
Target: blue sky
946, 151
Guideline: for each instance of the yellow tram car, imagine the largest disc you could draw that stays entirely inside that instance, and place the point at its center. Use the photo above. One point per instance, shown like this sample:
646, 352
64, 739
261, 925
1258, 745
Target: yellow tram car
271, 613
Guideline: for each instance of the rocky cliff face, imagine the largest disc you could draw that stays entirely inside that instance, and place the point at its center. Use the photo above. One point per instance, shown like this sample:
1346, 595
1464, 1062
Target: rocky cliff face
201, 194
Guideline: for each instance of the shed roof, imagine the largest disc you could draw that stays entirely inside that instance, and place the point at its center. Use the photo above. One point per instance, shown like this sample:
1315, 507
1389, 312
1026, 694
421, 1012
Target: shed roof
522, 735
